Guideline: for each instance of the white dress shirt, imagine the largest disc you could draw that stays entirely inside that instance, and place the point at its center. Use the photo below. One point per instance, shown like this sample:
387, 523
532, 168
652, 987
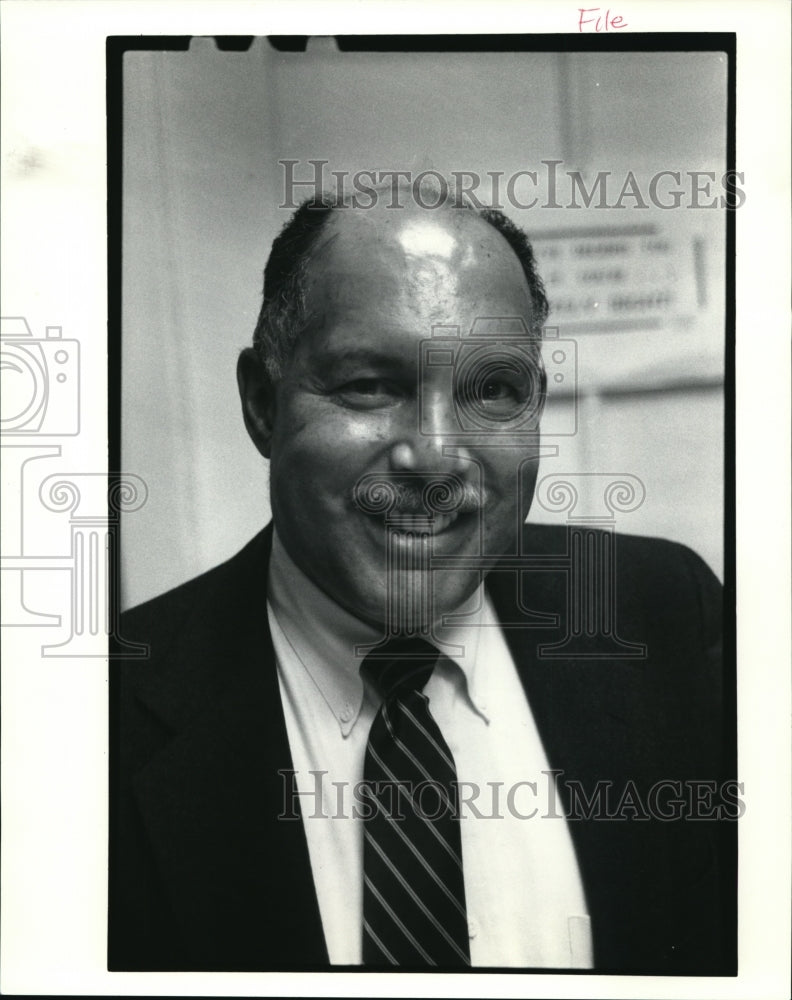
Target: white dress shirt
525, 901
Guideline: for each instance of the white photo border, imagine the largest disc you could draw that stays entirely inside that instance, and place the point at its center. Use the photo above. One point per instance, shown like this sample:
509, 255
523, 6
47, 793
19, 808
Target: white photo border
54, 739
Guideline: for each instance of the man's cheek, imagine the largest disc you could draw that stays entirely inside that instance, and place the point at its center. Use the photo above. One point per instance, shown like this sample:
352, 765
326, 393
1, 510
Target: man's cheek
319, 480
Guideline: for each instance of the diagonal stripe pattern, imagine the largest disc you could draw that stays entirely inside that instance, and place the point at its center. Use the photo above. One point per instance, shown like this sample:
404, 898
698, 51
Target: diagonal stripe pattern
413, 888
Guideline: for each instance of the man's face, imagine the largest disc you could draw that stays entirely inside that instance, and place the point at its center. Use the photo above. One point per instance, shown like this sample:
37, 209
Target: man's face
359, 403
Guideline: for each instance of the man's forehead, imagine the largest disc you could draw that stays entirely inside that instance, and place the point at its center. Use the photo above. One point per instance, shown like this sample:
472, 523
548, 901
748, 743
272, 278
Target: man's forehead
398, 247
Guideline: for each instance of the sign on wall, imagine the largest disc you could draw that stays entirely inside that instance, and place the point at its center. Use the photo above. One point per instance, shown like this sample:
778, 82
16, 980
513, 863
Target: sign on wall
614, 278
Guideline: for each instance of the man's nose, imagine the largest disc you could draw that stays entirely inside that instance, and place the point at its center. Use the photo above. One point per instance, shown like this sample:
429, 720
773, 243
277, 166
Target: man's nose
431, 441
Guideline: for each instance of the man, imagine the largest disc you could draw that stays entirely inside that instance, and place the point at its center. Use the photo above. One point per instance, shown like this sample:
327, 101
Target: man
397, 630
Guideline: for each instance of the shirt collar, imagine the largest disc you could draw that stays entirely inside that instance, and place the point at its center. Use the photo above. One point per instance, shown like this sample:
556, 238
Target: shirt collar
324, 637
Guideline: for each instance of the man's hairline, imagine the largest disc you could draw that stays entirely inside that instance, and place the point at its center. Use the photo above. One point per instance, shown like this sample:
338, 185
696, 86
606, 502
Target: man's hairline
331, 204
323, 240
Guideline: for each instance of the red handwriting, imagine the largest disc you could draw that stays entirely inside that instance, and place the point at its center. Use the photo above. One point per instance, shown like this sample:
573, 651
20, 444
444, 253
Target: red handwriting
606, 23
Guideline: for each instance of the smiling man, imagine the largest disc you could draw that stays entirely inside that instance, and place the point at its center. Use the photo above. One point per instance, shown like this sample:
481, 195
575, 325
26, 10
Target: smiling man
350, 745
357, 400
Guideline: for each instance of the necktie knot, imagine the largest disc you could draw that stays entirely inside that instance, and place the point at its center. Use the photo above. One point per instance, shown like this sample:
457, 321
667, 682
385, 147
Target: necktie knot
400, 666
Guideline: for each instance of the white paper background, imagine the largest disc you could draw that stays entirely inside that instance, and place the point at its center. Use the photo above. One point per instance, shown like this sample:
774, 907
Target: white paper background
54, 273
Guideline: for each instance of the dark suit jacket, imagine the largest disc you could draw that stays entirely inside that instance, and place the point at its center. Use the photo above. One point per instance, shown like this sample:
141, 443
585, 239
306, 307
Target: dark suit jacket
203, 875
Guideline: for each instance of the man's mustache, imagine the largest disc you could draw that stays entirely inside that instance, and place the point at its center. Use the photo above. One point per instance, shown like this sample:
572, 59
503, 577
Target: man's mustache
440, 494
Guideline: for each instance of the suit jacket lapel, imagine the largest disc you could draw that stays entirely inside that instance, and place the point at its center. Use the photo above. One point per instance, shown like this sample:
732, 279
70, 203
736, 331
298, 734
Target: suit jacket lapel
565, 713
583, 712
239, 877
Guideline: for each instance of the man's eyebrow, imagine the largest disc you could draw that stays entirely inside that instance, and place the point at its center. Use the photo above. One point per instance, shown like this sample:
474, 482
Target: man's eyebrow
360, 355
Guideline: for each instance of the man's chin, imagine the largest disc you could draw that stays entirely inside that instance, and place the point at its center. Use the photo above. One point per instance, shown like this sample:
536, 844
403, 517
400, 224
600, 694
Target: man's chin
413, 600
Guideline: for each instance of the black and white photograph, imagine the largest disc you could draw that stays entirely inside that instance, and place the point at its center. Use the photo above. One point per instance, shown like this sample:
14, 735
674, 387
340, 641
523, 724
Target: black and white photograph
430, 658
395, 512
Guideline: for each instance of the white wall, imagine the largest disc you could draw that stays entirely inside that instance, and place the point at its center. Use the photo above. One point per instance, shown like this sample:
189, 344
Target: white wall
203, 133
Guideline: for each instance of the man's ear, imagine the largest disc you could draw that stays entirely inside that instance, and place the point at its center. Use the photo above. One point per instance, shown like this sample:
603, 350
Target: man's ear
257, 393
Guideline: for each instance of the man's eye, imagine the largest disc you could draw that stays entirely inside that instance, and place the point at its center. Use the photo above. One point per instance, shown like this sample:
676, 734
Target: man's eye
499, 394
368, 392
494, 391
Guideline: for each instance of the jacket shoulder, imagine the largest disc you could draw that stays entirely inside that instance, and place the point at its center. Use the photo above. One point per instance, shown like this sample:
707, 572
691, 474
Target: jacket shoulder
161, 617
549, 538
650, 558
657, 581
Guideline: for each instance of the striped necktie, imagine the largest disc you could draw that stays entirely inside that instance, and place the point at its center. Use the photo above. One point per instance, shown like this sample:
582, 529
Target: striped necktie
413, 893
